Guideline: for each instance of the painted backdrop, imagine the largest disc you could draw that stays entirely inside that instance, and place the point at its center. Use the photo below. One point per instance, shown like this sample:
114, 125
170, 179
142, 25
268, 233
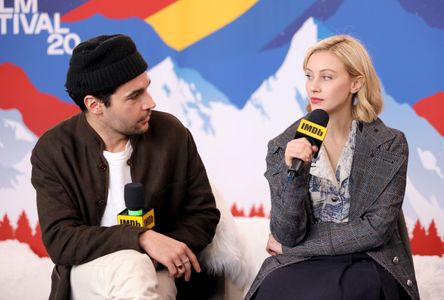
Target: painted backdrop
231, 72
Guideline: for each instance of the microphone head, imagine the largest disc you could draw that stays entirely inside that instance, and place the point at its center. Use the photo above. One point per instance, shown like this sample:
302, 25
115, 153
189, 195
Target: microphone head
134, 196
318, 116
313, 127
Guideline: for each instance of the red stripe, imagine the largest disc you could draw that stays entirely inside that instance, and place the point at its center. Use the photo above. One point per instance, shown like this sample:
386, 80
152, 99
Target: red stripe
116, 9
432, 109
39, 111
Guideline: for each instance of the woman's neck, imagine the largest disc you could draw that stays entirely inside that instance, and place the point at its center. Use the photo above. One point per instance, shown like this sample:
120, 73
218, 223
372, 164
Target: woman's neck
336, 138
339, 126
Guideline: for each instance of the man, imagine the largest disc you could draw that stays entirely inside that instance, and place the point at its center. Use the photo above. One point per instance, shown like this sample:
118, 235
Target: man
80, 167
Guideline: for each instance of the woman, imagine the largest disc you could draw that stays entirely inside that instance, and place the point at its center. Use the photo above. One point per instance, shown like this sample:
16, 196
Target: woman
337, 228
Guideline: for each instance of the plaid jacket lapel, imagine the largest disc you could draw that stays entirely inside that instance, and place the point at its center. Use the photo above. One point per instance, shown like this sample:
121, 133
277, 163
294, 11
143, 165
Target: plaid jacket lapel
373, 166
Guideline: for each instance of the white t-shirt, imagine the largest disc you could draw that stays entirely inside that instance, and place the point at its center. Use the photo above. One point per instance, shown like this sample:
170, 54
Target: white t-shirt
119, 175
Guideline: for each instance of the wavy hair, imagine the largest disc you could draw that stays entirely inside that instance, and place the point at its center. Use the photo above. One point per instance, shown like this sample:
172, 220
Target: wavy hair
358, 63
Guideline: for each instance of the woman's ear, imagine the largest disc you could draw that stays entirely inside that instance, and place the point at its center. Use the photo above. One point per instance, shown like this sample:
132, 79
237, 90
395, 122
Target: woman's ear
93, 105
357, 84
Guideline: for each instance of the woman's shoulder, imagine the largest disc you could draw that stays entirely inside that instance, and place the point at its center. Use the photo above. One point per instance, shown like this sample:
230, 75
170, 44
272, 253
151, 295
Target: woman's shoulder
381, 124
378, 127
378, 134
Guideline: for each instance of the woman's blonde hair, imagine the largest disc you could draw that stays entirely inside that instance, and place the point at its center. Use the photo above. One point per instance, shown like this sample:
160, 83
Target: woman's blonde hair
357, 63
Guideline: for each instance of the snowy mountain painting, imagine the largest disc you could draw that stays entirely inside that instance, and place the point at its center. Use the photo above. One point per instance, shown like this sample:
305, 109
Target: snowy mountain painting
227, 136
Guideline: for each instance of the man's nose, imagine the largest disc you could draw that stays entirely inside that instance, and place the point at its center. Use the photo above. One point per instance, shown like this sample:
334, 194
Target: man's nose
148, 102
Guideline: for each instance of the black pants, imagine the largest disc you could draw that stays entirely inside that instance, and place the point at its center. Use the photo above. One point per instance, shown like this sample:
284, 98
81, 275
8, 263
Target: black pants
345, 277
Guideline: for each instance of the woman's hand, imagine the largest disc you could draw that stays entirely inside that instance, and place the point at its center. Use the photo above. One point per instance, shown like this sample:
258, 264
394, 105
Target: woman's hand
299, 148
273, 247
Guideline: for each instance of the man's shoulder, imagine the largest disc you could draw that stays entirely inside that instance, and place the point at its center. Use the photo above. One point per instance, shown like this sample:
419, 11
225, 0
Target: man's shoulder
163, 121
57, 135
161, 116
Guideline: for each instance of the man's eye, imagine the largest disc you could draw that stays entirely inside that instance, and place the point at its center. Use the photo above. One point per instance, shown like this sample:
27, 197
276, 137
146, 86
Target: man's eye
134, 96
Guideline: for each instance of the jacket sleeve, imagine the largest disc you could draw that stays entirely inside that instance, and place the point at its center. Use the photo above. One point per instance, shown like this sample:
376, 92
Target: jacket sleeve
376, 225
289, 200
65, 233
199, 217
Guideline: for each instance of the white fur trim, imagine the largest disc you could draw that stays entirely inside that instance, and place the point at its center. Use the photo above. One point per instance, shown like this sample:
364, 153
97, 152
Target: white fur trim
228, 253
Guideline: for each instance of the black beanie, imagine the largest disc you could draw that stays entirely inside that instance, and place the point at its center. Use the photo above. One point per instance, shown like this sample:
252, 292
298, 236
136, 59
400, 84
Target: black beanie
102, 63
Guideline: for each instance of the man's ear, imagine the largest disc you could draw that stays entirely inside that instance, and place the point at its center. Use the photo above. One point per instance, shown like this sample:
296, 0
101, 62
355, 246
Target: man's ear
357, 84
93, 105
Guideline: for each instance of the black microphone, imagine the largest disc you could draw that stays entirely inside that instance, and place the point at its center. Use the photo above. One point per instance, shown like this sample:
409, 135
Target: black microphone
314, 128
135, 214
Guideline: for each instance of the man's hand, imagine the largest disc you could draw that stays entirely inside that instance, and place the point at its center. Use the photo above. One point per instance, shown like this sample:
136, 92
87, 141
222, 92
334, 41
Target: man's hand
273, 247
174, 255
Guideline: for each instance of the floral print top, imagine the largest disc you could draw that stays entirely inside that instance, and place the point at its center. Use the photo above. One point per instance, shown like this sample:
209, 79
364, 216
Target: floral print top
329, 190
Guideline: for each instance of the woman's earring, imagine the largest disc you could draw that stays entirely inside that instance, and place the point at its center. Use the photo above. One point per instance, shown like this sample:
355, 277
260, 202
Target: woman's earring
355, 100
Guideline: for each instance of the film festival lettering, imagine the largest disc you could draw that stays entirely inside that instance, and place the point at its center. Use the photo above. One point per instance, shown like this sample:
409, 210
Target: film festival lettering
24, 18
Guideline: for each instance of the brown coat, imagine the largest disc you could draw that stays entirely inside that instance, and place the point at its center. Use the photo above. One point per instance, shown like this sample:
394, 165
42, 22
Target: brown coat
71, 178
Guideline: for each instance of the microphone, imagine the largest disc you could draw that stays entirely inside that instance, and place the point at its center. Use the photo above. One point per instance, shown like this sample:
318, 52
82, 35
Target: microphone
135, 214
314, 128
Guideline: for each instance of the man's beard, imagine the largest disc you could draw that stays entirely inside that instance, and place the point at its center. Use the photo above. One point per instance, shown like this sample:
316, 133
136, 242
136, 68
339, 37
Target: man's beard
137, 131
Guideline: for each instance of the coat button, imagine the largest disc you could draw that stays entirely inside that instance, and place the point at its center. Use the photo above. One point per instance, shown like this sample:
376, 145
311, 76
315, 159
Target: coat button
409, 283
102, 167
100, 203
334, 199
395, 260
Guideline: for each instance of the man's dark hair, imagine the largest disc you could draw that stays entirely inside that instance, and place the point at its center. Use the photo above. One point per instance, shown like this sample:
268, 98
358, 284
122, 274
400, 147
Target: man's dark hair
103, 96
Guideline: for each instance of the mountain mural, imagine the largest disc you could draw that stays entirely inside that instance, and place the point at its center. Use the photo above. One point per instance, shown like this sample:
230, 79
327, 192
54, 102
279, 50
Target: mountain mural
227, 135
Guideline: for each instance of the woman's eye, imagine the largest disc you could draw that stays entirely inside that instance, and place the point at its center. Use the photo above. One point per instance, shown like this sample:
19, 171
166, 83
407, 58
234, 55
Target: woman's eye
308, 76
326, 77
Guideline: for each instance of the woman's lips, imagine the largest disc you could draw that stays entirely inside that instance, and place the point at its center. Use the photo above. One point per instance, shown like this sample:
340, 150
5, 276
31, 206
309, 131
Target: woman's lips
314, 100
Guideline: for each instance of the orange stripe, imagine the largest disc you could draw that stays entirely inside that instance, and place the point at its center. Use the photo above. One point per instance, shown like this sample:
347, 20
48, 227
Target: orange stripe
185, 22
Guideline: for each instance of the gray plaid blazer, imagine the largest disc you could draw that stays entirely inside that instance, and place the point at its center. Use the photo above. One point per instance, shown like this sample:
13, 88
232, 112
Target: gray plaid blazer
376, 222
